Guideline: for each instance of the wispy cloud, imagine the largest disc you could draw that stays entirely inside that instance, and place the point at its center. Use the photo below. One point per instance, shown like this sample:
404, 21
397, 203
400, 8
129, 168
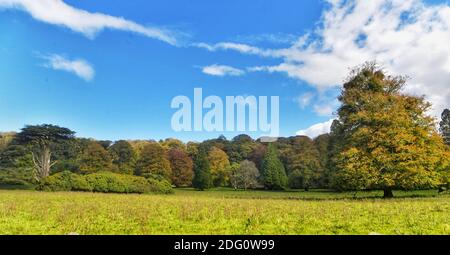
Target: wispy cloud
276, 38
316, 129
240, 47
406, 37
57, 12
323, 109
222, 70
79, 67
304, 99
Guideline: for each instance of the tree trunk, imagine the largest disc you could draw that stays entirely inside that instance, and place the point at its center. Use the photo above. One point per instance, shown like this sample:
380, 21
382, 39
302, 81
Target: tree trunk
42, 163
388, 193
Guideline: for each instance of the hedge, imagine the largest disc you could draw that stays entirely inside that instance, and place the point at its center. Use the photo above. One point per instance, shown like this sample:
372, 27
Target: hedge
105, 182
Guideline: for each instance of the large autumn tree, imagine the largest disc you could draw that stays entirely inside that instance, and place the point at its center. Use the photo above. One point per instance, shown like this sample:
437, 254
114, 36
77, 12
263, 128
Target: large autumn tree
94, 158
182, 167
220, 166
153, 161
42, 140
386, 140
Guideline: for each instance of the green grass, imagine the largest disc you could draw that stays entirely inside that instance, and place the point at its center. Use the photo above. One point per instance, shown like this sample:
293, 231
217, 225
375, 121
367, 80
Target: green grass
301, 194
223, 211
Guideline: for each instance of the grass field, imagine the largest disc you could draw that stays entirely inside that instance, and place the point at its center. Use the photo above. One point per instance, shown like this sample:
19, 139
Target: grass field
224, 212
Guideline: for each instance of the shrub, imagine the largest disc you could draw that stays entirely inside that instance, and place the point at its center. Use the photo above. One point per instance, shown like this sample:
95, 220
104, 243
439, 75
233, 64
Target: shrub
13, 181
58, 182
16, 176
106, 182
79, 183
160, 186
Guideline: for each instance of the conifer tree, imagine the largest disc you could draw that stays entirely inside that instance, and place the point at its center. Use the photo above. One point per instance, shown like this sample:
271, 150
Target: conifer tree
273, 172
202, 171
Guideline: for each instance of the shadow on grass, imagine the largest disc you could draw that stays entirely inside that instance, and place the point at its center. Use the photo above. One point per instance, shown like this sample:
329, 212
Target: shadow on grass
16, 187
314, 195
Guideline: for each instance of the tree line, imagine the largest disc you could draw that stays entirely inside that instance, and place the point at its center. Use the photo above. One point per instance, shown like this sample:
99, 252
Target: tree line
381, 139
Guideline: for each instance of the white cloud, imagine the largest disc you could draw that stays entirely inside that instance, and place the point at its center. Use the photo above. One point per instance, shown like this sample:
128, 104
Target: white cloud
222, 70
276, 38
316, 129
323, 109
240, 47
407, 37
57, 12
79, 67
304, 99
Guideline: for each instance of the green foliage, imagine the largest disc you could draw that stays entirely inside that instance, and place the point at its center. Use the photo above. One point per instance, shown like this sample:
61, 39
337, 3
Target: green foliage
94, 158
105, 143
16, 166
5, 139
302, 161
123, 157
202, 171
43, 135
105, 182
153, 161
138, 145
382, 139
41, 139
192, 149
386, 141
65, 181
182, 168
240, 148
159, 186
172, 143
273, 172
67, 154
322, 144
221, 143
219, 166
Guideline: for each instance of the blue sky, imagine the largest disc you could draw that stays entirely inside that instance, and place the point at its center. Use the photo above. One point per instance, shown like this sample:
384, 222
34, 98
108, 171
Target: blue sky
109, 69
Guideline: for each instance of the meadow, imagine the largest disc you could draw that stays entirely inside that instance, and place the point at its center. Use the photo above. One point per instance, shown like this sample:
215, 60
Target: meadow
224, 211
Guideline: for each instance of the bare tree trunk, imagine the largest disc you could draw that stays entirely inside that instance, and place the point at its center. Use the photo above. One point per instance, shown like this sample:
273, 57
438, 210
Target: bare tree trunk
42, 163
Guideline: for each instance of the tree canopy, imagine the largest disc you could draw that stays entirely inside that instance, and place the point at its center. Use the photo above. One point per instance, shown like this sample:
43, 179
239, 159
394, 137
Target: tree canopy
202, 170
182, 168
153, 161
219, 165
386, 140
41, 139
244, 175
123, 157
273, 172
